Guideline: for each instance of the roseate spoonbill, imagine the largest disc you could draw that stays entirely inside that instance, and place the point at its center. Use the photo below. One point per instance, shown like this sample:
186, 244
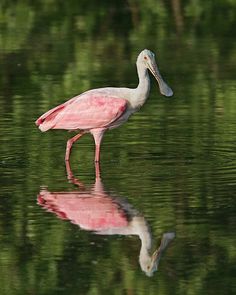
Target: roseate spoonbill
100, 109
93, 209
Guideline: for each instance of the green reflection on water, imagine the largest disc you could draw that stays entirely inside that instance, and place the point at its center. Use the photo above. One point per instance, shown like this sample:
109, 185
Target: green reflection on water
174, 160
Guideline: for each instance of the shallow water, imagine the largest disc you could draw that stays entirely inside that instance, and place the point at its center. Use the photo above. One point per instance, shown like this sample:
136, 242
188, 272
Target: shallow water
170, 169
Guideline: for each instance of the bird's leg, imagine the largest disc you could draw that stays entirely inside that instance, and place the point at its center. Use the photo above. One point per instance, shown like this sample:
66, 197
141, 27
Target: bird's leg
97, 170
70, 143
97, 135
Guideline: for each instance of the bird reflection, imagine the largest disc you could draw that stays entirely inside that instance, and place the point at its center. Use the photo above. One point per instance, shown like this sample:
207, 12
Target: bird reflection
93, 209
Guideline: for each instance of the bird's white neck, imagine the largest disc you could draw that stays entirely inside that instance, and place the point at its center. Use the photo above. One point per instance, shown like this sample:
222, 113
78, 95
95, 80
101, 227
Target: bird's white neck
142, 91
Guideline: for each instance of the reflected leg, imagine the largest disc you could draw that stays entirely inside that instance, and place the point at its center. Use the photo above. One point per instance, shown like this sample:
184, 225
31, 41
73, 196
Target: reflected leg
71, 177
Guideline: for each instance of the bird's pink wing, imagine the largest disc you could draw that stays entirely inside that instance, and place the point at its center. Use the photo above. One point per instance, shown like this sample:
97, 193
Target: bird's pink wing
88, 111
91, 212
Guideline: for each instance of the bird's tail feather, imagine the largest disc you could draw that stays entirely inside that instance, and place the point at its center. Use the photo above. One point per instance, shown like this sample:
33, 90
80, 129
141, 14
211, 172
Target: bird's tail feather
47, 120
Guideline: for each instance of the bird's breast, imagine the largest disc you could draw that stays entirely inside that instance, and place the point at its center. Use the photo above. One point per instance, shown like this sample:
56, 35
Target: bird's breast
122, 119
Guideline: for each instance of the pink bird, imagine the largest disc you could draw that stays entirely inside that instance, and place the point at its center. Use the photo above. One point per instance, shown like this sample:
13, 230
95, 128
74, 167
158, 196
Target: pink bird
98, 110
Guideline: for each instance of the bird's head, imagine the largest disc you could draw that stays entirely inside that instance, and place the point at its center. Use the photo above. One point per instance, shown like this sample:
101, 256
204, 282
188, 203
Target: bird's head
147, 59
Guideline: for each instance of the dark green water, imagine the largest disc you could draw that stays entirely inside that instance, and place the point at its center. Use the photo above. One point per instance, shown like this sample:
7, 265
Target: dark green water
173, 163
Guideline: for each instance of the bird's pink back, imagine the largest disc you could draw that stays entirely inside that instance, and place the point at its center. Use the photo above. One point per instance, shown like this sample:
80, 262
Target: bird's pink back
88, 111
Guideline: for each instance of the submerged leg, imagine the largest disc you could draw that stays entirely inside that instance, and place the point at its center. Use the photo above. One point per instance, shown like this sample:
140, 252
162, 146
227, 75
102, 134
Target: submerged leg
70, 143
97, 135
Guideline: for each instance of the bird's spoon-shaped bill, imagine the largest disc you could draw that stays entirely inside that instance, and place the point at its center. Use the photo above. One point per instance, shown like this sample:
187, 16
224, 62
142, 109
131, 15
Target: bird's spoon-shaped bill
164, 88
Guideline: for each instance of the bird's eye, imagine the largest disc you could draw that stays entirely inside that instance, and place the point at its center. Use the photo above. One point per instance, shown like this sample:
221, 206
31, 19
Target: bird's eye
145, 57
